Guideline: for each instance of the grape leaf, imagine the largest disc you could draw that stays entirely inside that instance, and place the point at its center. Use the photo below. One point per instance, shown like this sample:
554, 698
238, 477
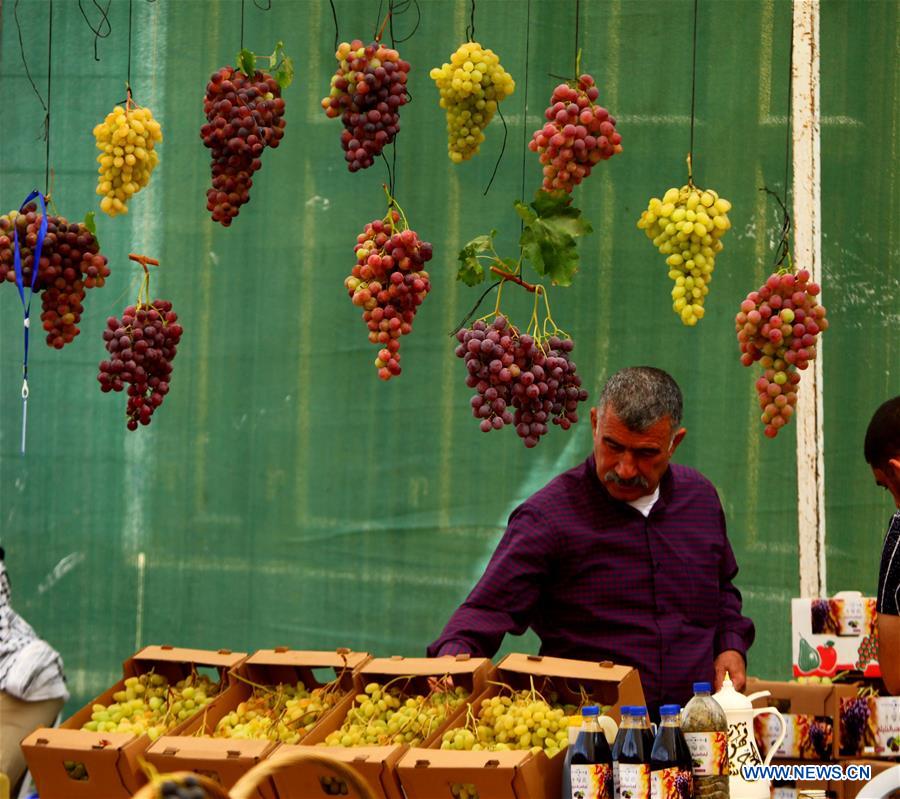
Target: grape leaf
470, 271
285, 73
246, 62
549, 237
91, 225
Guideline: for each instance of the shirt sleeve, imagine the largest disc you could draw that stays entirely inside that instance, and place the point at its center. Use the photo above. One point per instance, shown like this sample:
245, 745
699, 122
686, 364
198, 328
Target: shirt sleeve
734, 630
505, 597
888, 601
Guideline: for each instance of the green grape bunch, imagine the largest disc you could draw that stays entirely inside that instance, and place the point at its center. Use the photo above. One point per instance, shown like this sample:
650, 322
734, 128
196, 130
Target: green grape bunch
471, 87
687, 226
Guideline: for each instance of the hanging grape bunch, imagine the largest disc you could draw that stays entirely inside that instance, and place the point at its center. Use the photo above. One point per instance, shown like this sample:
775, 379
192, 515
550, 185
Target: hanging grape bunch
389, 282
578, 135
70, 263
471, 87
244, 115
141, 345
367, 91
687, 225
126, 140
519, 380
778, 325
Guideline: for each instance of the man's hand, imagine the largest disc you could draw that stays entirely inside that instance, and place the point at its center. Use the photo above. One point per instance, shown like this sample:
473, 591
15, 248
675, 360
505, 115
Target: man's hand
731, 661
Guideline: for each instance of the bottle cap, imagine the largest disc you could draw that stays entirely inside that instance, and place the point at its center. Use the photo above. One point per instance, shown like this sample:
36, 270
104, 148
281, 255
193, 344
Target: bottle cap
627, 710
700, 687
639, 710
669, 710
590, 710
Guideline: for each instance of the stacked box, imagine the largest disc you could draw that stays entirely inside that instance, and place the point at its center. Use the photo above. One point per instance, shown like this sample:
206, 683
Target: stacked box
378, 764
433, 773
870, 726
70, 763
226, 760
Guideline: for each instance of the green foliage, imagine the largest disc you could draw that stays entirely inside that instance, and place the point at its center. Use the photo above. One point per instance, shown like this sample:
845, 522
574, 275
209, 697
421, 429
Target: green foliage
470, 269
549, 239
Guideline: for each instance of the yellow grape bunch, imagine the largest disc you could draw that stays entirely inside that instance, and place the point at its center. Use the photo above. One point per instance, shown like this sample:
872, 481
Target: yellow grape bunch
687, 225
471, 86
126, 140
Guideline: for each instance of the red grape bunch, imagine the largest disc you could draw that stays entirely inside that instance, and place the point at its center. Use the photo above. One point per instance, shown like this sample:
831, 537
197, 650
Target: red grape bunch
778, 325
578, 134
244, 115
141, 345
69, 263
367, 91
389, 282
518, 380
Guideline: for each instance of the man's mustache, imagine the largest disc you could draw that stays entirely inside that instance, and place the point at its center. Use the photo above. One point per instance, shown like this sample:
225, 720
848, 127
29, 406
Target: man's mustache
634, 482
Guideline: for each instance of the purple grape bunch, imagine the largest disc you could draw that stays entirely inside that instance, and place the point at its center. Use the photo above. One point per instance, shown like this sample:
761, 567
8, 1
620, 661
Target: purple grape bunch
819, 612
519, 381
854, 715
188, 788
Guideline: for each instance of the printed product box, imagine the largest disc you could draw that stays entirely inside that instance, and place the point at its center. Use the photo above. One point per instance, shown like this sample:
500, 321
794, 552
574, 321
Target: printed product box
433, 773
70, 763
870, 726
810, 712
833, 635
225, 760
378, 764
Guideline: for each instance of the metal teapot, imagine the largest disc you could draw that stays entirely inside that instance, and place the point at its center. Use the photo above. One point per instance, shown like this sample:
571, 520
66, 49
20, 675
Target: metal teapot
742, 749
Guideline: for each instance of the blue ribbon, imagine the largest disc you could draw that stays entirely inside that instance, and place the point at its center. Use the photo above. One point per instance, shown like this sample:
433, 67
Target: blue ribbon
20, 284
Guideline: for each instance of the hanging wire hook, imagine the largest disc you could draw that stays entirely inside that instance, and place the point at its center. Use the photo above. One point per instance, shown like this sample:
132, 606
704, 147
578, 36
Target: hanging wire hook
104, 21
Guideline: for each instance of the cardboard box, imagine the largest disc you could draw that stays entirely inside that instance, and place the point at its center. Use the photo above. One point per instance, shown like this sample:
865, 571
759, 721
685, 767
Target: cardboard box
811, 713
851, 788
378, 764
110, 760
833, 635
870, 726
799, 789
225, 760
430, 773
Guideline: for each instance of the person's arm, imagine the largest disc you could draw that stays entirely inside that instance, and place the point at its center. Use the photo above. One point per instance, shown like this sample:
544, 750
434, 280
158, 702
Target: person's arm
507, 593
889, 651
735, 632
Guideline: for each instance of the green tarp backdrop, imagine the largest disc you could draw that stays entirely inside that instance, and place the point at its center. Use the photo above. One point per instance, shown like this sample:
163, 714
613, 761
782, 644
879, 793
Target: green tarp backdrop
283, 494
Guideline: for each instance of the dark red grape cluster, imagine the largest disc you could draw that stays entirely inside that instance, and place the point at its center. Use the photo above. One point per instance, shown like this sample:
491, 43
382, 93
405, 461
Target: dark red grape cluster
188, 788
778, 325
854, 717
142, 345
389, 283
867, 651
820, 611
518, 381
820, 736
684, 785
366, 93
244, 115
70, 263
577, 135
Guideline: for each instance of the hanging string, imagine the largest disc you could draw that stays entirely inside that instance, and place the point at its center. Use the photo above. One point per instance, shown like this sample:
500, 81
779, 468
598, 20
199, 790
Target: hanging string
577, 21
104, 21
242, 24
470, 28
49, 74
337, 38
525, 105
399, 9
267, 7
128, 73
46, 122
787, 138
377, 20
502, 150
693, 96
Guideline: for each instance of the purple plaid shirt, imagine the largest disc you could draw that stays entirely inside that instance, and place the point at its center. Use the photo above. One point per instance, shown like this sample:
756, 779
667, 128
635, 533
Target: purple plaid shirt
598, 581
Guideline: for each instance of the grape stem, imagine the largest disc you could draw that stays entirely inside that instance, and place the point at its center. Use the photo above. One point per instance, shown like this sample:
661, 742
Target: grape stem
392, 203
144, 292
381, 29
535, 288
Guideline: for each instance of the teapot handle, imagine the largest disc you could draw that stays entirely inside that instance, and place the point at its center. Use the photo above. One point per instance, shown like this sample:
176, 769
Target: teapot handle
780, 739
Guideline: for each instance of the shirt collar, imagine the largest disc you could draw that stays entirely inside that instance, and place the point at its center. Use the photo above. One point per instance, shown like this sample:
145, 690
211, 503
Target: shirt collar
665, 487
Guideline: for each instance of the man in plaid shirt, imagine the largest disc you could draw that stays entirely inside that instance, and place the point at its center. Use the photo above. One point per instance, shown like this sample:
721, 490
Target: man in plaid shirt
623, 558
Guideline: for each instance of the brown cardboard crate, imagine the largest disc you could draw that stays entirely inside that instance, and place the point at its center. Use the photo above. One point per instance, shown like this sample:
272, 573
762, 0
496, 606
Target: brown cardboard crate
851, 788
805, 702
111, 759
377, 764
429, 773
225, 760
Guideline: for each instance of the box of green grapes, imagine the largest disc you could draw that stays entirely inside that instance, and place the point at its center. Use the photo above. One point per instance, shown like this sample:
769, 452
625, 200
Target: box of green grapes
96, 752
276, 696
511, 742
397, 703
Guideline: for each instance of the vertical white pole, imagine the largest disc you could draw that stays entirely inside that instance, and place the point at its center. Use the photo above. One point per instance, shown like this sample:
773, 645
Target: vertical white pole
807, 253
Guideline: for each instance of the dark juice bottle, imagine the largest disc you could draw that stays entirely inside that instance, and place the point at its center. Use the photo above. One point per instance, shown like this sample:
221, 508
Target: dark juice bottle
643, 722
590, 764
633, 757
627, 720
670, 758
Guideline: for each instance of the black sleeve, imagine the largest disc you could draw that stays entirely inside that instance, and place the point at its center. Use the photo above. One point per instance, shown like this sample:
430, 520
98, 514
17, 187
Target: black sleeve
889, 578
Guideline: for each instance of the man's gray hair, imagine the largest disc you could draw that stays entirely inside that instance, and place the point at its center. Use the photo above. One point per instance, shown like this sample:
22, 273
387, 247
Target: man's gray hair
642, 395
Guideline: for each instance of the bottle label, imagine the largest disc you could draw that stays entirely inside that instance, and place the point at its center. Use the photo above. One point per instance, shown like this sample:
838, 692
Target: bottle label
591, 781
709, 753
671, 783
616, 790
634, 781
